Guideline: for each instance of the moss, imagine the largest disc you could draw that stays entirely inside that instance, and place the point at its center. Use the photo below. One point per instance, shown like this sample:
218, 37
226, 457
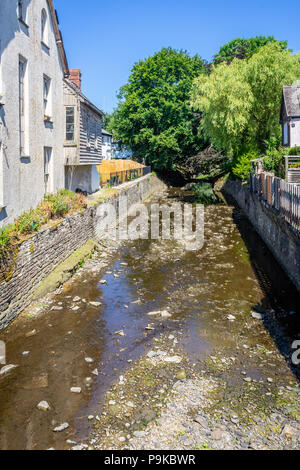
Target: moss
65, 270
7, 266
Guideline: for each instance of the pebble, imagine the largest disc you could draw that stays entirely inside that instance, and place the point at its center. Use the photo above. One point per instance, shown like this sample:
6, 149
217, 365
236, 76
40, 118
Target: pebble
76, 390
257, 316
173, 359
43, 406
61, 428
89, 360
139, 434
31, 333
130, 404
7, 369
76, 299
95, 304
120, 333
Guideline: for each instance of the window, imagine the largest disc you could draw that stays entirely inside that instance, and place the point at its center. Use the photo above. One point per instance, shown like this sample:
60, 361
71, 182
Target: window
44, 27
285, 134
70, 123
22, 104
47, 104
47, 162
20, 10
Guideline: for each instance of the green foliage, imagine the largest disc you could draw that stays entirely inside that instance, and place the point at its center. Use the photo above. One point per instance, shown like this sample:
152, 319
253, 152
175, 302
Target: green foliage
204, 193
292, 151
53, 206
60, 208
5, 240
242, 165
241, 102
154, 117
244, 48
274, 162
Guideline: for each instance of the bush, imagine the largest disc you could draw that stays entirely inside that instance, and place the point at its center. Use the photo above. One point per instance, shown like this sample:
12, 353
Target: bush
60, 208
274, 162
5, 238
293, 151
28, 223
242, 165
53, 206
204, 193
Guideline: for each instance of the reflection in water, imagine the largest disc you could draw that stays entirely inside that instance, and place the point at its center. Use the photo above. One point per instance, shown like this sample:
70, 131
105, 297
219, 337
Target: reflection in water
230, 275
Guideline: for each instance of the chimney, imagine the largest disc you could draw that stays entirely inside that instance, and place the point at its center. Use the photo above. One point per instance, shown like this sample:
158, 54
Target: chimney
75, 77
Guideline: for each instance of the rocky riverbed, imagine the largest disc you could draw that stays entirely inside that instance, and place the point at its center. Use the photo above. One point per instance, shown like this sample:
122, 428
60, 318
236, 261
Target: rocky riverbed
152, 347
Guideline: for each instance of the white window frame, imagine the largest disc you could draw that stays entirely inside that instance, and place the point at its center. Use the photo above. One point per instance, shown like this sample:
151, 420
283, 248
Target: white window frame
47, 96
66, 128
44, 27
22, 105
285, 134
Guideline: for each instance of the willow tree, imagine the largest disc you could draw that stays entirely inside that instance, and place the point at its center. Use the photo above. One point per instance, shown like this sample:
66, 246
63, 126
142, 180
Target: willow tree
240, 102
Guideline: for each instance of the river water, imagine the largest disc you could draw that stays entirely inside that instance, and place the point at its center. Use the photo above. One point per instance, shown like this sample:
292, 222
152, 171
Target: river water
232, 274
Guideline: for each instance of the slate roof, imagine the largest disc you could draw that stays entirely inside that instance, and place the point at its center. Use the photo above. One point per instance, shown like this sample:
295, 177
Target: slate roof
291, 98
83, 98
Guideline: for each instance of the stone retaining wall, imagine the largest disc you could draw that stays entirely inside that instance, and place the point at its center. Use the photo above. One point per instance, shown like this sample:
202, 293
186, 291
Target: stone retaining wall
38, 256
279, 236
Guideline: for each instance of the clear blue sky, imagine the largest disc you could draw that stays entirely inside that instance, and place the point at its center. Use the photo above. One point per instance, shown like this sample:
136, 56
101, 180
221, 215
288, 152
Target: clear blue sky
105, 38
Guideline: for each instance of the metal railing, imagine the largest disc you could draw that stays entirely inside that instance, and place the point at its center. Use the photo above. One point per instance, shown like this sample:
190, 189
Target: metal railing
282, 196
120, 177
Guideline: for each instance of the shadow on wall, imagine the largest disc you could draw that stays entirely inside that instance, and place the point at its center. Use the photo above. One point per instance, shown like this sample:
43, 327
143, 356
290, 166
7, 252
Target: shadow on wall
280, 293
9, 22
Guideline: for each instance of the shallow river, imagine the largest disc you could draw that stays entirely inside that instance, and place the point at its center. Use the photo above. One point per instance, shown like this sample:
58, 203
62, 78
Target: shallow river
232, 273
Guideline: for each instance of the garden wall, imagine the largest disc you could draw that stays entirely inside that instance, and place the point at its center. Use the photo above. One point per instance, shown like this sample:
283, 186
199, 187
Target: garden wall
35, 258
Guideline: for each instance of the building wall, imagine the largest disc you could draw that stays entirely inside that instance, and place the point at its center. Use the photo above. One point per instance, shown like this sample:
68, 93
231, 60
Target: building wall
295, 133
22, 179
90, 136
83, 173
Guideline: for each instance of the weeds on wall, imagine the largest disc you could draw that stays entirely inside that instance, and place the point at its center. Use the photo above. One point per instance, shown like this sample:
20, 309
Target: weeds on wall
54, 206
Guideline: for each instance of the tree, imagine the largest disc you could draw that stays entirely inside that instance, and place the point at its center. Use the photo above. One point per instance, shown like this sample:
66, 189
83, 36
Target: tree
244, 48
241, 102
154, 117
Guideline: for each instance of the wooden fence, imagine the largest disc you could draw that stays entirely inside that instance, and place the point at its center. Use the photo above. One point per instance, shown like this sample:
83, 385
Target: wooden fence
114, 172
282, 196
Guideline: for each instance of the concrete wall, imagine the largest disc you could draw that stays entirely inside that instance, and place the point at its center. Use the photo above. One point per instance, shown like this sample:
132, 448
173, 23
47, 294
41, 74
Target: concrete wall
295, 133
22, 179
279, 236
84, 177
35, 258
